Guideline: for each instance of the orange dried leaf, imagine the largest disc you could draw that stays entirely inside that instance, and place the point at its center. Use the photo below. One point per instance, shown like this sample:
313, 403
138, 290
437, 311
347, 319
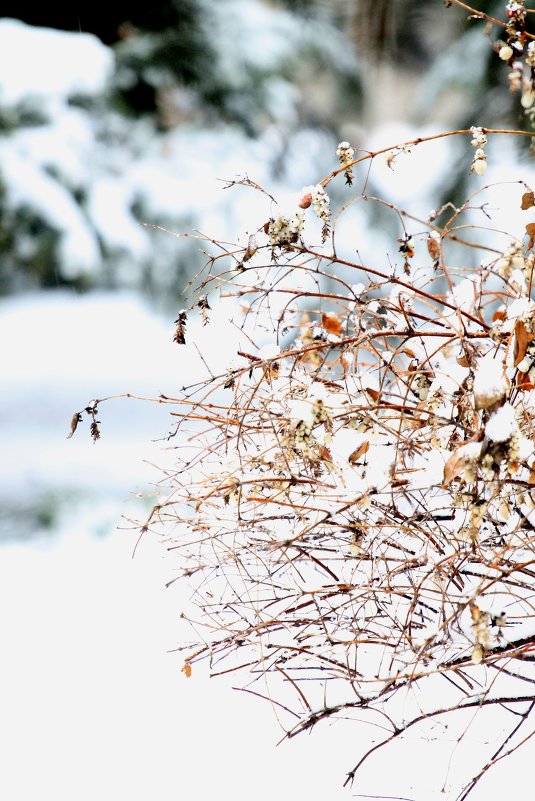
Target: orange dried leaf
325, 454
358, 452
453, 468
499, 315
528, 201
331, 324
433, 248
186, 670
530, 230
521, 341
373, 393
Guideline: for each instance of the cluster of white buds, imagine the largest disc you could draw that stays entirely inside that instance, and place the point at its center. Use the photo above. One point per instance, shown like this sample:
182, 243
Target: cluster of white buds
322, 206
346, 155
479, 140
321, 203
284, 231
511, 260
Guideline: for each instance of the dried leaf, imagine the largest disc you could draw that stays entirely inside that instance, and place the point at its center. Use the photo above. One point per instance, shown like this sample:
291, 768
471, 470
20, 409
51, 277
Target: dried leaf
252, 247
528, 201
76, 418
521, 341
453, 467
433, 248
331, 323
530, 230
186, 670
499, 315
345, 363
325, 454
462, 361
373, 393
358, 452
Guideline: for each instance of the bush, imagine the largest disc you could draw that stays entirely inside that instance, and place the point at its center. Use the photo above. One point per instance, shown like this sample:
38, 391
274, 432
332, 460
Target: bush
353, 500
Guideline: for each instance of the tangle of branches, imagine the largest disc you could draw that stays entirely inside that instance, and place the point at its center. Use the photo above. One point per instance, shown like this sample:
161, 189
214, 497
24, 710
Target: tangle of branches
354, 496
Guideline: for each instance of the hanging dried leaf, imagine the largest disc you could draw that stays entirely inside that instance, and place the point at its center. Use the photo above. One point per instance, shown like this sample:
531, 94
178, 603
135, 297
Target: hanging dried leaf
530, 230
454, 467
528, 201
358, 452
433, 248
252, 247
76, 418
521, 341
186, 670
331, 324
374, 394
324, 454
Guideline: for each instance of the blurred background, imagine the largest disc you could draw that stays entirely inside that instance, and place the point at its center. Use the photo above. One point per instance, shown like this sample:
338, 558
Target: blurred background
115, 122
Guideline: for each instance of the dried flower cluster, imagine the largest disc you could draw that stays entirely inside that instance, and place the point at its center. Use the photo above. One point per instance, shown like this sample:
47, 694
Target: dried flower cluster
517, 49
479, 140
284, 231
346, 155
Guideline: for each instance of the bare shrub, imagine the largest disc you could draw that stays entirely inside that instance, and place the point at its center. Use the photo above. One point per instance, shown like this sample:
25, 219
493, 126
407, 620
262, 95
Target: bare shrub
353, 501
